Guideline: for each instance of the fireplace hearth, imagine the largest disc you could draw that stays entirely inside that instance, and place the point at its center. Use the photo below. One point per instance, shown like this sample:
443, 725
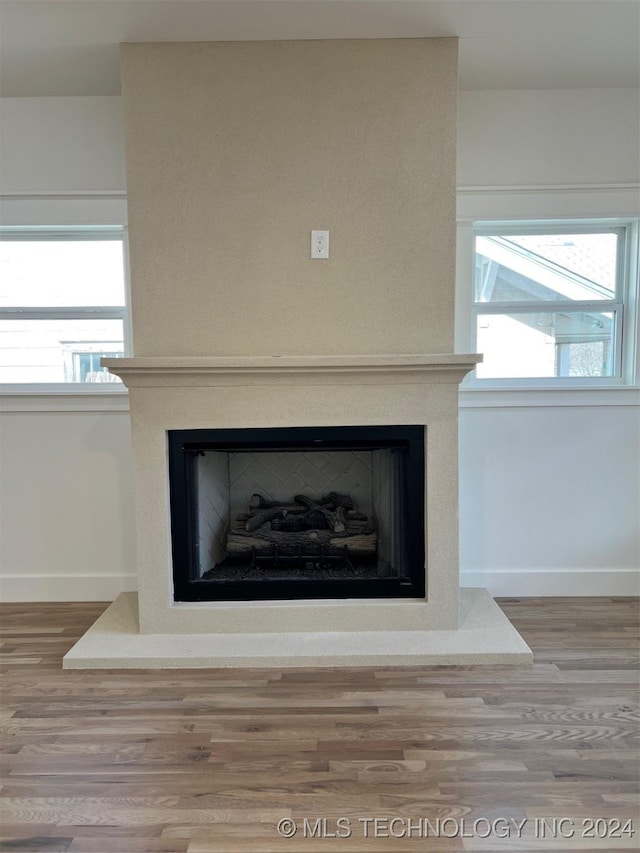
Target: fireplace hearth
296, 513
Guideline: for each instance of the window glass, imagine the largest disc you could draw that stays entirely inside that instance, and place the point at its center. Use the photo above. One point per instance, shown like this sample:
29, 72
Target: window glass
546, 344
62, 304
58, 350
546, 267
61, 273
549, 302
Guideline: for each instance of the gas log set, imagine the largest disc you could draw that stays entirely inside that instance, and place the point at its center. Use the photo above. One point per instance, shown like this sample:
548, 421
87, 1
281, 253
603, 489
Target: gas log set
303, 527
325, 535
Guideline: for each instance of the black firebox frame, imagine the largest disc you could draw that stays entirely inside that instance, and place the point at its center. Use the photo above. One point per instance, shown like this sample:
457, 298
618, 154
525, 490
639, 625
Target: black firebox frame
184, 447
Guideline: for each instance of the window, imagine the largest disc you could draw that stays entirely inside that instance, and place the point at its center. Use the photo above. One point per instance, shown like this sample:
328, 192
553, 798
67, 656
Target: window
550, 298
62, 304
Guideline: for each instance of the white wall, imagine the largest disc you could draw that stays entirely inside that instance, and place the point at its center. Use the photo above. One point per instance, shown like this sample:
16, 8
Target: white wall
544, 137
67, 505
549, 482
549, 496
66, 511
61, 145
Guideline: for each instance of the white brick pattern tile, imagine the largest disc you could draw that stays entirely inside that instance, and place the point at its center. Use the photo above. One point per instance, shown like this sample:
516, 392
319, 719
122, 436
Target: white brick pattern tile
280, 476
213, 508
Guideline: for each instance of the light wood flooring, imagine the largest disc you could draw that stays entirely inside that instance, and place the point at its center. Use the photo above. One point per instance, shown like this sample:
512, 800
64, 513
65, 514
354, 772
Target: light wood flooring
195, 761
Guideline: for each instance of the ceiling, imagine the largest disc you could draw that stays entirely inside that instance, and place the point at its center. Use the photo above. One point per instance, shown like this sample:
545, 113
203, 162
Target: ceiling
70, 47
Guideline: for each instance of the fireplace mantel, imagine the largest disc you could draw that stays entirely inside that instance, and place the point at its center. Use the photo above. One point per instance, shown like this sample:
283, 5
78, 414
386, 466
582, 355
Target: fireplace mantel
229, 370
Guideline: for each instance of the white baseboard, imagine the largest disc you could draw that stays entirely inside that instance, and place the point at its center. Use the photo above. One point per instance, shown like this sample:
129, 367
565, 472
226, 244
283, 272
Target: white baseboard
519, 583
65, 587
523, 583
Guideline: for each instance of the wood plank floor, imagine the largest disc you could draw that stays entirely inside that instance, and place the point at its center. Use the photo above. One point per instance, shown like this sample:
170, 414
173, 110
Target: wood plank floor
195, 761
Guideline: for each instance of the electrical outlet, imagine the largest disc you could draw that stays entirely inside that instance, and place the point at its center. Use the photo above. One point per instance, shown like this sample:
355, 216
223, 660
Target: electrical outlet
319, 245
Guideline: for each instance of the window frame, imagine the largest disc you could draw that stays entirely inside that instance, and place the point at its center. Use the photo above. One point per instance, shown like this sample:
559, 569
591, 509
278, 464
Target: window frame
625, 303
71, 233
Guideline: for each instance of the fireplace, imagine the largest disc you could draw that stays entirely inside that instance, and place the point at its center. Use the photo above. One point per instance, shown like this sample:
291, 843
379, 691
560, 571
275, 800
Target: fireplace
297, 513
246, 348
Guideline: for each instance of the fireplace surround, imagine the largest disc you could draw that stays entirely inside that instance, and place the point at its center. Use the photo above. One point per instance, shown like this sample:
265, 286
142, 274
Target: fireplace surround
283, 393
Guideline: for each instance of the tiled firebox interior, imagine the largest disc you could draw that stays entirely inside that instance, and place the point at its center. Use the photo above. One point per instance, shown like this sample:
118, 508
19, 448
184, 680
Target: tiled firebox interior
226, 482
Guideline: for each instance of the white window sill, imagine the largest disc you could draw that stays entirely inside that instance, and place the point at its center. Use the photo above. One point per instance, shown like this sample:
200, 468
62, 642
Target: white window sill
64, 397
518, 397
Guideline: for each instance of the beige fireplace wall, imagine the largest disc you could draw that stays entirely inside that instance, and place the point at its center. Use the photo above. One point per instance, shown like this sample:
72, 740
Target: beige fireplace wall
236, 151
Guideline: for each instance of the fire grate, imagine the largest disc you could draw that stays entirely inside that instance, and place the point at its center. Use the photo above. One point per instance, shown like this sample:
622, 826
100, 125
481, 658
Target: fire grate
301, 566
